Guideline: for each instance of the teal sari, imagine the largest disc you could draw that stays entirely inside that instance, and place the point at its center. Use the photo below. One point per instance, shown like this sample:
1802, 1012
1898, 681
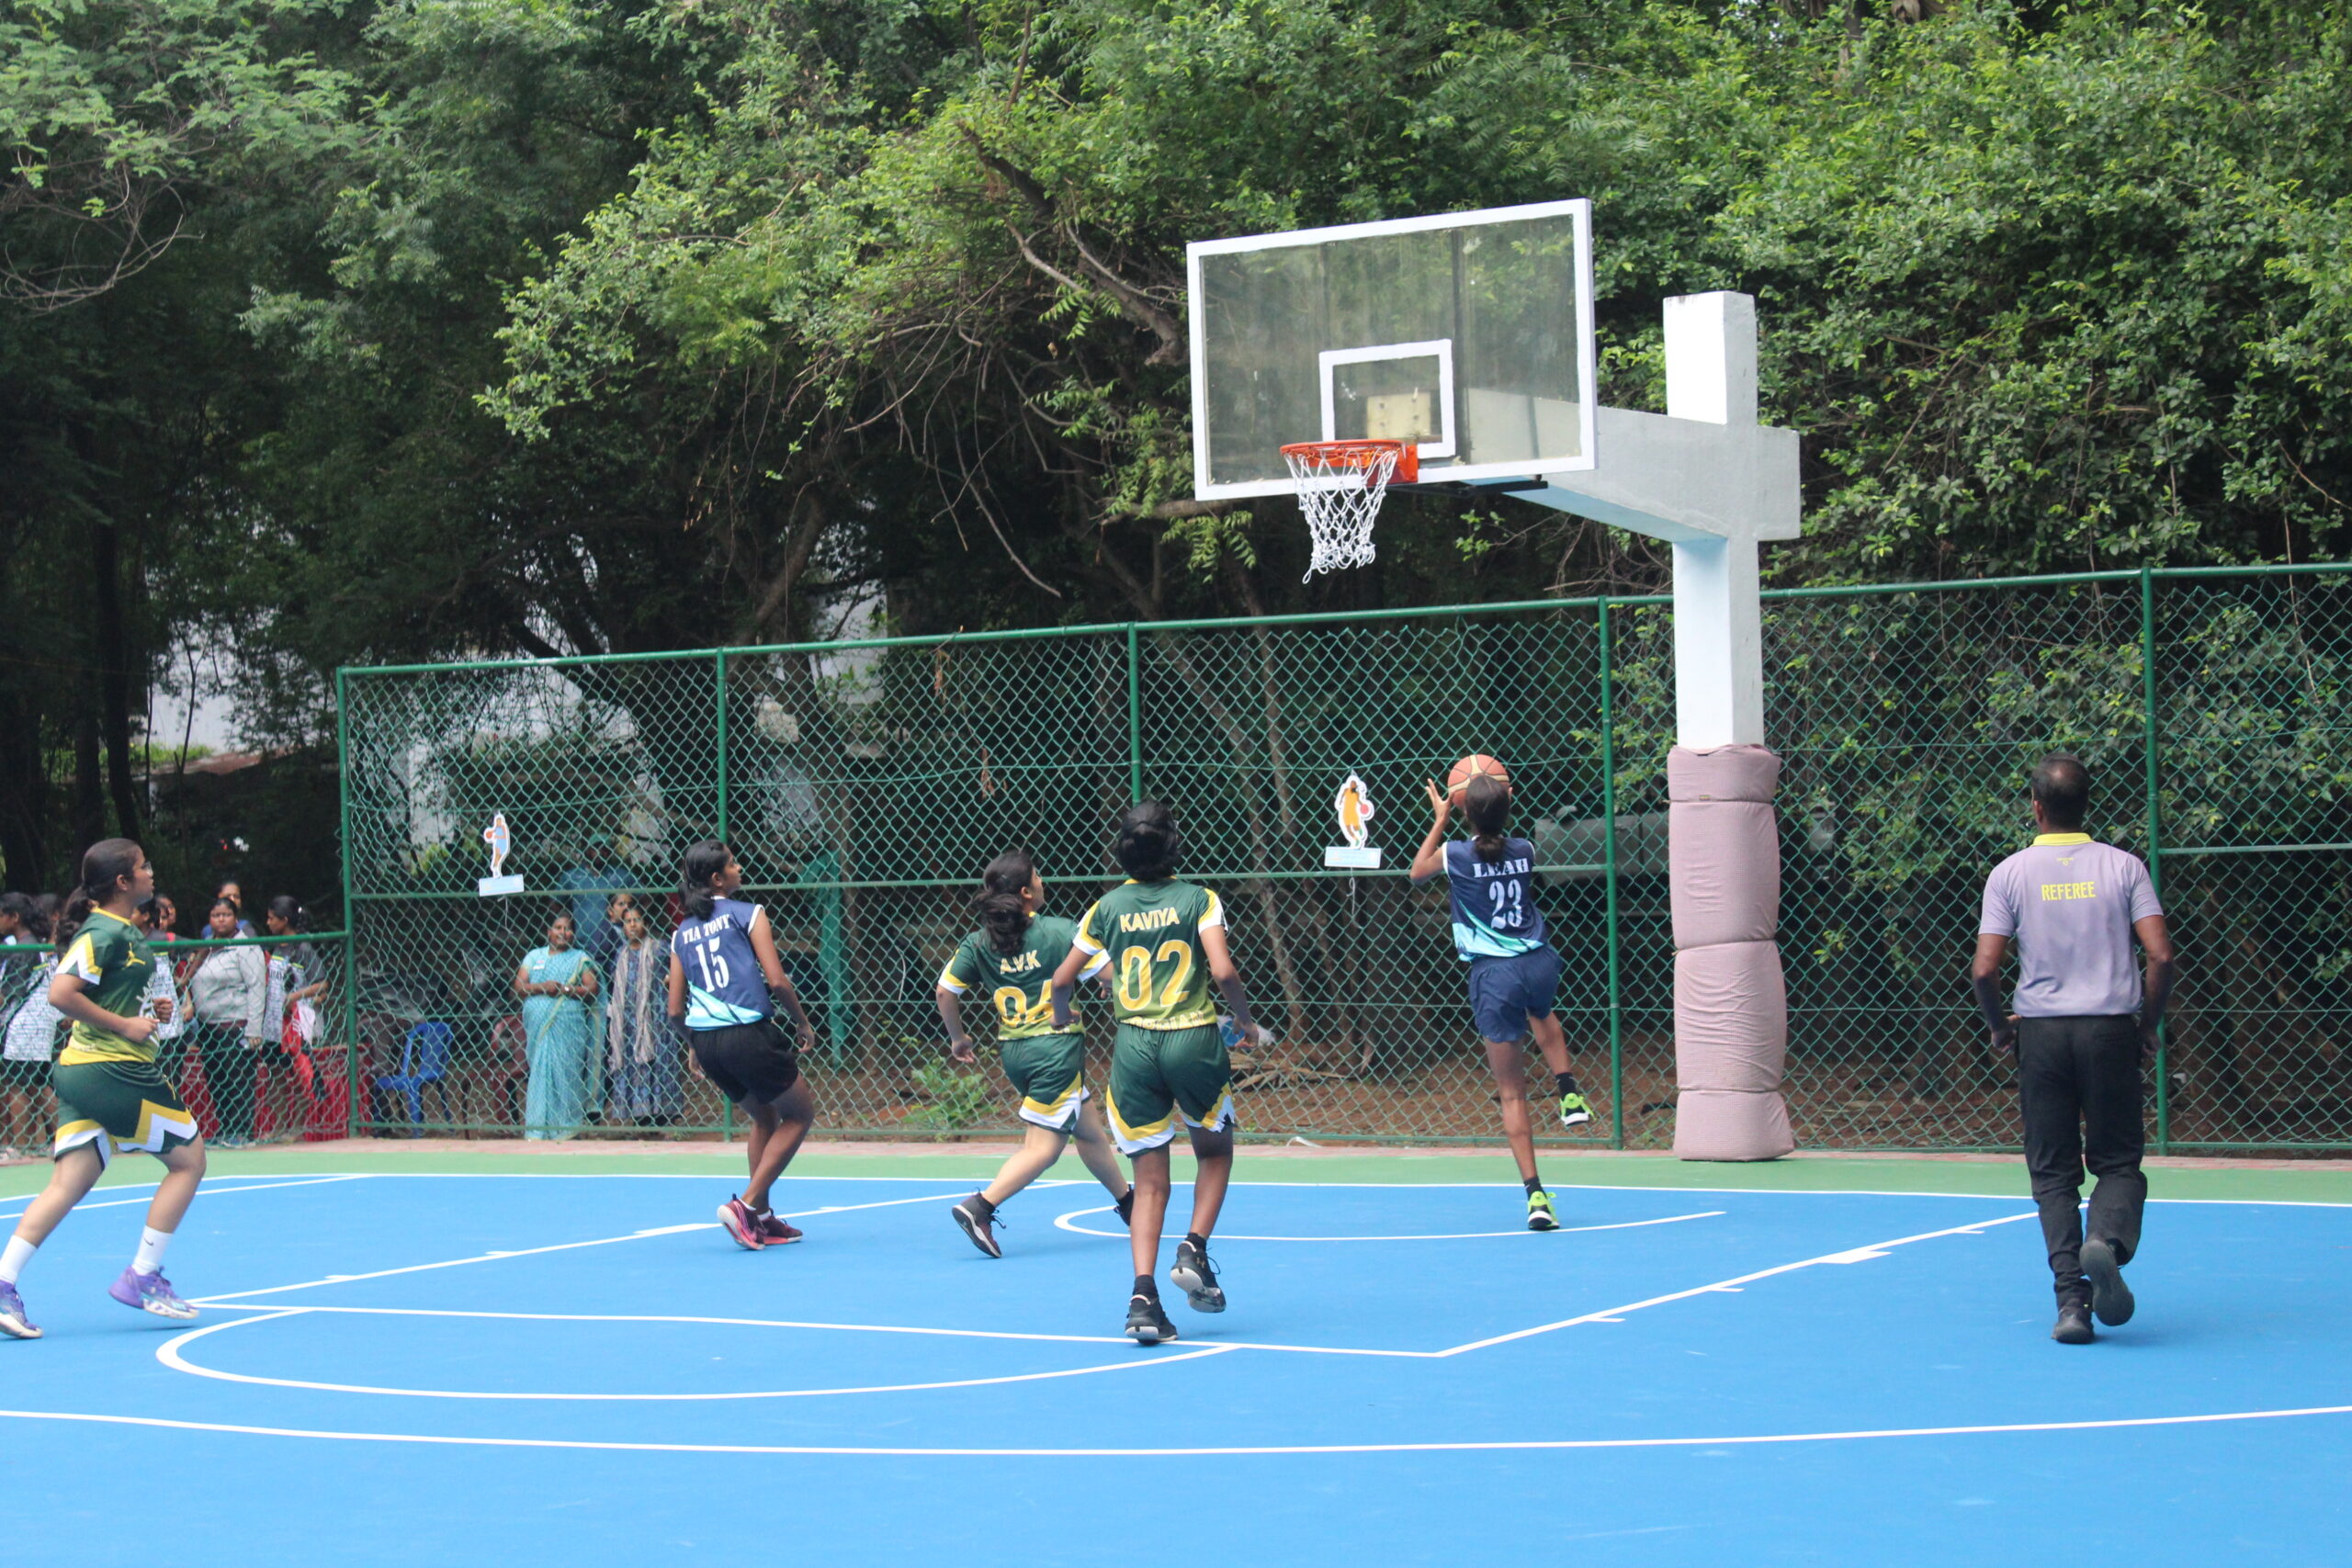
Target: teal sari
559, 1043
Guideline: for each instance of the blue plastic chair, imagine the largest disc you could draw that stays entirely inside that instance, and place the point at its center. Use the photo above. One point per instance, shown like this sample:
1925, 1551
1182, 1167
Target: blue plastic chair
424, 1062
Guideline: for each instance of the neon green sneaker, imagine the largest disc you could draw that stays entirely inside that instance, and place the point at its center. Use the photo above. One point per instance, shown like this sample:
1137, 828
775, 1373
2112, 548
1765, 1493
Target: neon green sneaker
1574, 1111
1538, 1212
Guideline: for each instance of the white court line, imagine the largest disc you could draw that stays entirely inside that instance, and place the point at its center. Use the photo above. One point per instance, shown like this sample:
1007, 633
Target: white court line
1607, 1314
170, 1353
1252, 1451
201, 1191
792, 1323
229, 1298
1851, 1255
1064, 1223
1376, 1186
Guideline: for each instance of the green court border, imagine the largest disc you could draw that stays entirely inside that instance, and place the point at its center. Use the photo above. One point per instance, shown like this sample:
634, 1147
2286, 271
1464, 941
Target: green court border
2274, 1182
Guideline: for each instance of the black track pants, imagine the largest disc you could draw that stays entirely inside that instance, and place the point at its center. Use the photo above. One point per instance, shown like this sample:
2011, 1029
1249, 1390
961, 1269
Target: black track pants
2078, 1085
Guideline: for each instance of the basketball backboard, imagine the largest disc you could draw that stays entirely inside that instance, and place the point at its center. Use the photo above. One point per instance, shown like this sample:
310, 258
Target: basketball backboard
1468, 334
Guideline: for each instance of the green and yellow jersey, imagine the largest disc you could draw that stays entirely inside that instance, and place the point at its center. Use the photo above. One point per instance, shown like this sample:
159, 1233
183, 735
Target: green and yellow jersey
1150, 932
1019, 985
111, 958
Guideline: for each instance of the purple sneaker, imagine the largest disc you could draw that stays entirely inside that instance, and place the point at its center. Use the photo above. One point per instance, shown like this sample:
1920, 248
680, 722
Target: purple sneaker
149, 1292
13, 1321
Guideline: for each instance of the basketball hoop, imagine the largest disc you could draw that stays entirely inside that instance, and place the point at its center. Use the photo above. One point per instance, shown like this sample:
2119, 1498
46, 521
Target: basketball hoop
1340, 484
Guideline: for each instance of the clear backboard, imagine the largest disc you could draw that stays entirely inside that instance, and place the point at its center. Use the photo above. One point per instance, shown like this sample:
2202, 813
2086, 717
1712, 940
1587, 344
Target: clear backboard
1467, 334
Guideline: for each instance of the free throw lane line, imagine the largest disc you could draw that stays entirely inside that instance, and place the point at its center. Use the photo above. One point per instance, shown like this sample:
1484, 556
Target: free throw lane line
1850, 1255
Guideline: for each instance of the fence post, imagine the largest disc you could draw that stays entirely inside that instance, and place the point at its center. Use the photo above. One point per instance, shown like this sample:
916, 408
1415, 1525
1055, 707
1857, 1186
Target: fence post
355, 1110
719, 662
1135, 719
1609, 882
2156, 843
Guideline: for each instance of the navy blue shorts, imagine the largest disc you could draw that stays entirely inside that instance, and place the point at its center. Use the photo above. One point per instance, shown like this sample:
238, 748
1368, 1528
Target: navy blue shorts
1504, 991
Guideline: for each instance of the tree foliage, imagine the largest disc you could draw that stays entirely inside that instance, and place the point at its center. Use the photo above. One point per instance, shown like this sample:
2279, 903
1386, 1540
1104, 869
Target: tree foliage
555, 326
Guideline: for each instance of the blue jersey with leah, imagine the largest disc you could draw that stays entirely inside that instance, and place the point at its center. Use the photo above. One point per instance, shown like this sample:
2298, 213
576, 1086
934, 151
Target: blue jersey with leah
1494, 901
724, 986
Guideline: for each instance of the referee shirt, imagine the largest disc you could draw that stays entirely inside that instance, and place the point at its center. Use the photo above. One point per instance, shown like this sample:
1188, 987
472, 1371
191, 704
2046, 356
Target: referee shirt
2069, 901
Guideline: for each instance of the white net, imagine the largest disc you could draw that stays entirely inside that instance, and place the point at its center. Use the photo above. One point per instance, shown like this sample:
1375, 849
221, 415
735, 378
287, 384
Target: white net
1339, 488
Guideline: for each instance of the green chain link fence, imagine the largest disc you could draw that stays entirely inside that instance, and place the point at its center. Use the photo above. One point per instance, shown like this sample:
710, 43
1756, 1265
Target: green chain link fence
865, 784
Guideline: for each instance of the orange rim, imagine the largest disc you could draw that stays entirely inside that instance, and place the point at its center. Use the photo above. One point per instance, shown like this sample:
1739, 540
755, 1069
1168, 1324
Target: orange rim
1361, 455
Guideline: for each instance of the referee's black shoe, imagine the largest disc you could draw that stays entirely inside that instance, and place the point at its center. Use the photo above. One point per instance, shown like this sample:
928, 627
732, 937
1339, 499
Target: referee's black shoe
2111, 1300
2073, 1326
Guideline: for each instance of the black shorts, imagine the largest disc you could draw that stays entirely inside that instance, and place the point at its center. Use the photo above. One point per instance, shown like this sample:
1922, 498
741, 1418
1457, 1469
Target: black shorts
753, 1064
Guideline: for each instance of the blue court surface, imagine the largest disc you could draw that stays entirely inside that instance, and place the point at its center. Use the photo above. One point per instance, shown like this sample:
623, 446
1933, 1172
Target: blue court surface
582, 1370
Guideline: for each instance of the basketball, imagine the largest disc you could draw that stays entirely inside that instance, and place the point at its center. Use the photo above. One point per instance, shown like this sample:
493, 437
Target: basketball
1476, 765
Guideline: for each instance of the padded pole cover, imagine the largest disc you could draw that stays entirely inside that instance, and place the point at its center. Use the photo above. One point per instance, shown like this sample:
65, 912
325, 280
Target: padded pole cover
1731, 1007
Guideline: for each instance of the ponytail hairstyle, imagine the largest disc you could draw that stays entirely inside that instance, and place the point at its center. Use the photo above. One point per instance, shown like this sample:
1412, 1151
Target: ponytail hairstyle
104, 864
1149, 841
1487, 803
287, 908
702, 865
1002, 884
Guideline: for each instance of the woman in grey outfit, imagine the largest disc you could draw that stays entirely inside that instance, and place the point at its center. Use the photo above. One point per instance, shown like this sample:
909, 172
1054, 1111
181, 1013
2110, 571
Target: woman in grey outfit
229, 992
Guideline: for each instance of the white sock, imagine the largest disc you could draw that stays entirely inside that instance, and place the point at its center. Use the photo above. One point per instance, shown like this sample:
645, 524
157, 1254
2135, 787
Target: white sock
150, 1257
13, 1256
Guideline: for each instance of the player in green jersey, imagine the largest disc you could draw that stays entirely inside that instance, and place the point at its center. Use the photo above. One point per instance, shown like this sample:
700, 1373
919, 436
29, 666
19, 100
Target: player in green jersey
111, 1094
1012, 960
1165, 943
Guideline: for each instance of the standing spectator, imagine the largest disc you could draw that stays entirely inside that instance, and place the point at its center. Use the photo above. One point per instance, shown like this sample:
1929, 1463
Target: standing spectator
163, 987
236, 897
640, 1060
592, 883
604, 937
28, 1023
167, 918
298, 993
229, 992
557, 983
2086, 1018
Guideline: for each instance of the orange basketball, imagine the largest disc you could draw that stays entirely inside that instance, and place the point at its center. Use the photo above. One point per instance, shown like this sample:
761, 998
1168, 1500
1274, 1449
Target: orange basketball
1476, 765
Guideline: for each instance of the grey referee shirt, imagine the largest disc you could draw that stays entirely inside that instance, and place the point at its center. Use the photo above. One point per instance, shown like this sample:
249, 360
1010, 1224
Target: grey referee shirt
2068, 902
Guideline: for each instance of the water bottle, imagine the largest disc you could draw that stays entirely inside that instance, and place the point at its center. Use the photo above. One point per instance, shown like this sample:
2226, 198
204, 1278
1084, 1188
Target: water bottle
1230, 1033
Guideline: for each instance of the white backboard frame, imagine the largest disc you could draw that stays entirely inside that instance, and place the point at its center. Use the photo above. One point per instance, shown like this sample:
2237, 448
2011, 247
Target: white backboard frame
1579, 209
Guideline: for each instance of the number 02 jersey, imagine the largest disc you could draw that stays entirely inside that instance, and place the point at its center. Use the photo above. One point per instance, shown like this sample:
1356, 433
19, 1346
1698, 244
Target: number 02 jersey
724, 986
1019, 985
1150, 932
1494, 901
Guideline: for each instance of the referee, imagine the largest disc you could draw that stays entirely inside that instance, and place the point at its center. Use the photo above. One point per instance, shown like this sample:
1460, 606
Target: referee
2086, 1019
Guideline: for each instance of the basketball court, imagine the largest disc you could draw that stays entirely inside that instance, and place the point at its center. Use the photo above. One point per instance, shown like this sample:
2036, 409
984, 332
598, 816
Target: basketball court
477, 1359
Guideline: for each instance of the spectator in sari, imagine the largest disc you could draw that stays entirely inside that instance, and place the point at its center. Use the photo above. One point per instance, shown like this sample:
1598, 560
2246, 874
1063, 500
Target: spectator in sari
641, 1061
557, 985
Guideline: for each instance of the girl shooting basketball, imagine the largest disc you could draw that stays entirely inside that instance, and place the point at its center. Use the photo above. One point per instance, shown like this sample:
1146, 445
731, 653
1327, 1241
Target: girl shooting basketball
725, 983
1498, 931
1012, 959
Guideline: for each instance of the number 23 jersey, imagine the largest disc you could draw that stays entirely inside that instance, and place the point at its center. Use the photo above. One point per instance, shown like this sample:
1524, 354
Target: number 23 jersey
724, 986
1151, 933
1018, 985
1494, 901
